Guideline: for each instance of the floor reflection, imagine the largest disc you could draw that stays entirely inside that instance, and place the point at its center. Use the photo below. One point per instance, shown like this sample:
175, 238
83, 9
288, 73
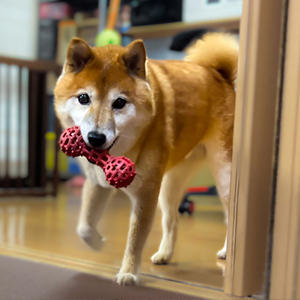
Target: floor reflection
12, 225
49, 224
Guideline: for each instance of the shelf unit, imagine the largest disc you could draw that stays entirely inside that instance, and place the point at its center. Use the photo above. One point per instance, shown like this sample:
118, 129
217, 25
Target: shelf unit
168, 29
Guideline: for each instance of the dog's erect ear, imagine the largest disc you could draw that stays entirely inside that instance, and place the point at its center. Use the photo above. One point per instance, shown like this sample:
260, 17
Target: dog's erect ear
78, 54
135, 58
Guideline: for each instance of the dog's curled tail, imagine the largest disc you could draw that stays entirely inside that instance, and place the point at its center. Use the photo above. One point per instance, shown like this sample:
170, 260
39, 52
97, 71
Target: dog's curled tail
216, 50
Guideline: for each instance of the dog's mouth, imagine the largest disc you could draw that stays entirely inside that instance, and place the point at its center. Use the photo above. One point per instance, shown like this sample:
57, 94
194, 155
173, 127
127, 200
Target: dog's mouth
104, 149
112, 144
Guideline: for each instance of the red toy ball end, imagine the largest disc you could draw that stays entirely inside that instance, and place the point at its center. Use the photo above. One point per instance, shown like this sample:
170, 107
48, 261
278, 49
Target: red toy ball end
71, 142
119, 171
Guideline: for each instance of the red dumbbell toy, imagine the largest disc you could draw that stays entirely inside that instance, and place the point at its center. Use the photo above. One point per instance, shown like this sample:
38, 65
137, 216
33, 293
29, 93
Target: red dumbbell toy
119, 170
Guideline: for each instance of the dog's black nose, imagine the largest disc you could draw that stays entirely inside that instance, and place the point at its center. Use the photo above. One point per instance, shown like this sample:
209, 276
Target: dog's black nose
96, 139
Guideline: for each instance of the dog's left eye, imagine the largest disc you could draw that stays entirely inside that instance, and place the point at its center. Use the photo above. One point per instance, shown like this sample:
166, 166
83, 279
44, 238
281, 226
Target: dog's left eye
119, 103
84, 99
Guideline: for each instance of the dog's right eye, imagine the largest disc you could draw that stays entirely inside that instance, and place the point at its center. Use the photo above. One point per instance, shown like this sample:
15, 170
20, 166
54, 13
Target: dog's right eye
84, 99
119, 103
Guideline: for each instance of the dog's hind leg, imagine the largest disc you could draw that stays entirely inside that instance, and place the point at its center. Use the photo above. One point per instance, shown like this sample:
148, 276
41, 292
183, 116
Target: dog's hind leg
174, 184
94, 198
220, 166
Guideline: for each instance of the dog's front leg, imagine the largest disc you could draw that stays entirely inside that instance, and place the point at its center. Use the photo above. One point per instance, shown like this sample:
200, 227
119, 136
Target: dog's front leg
144, 203
94, 198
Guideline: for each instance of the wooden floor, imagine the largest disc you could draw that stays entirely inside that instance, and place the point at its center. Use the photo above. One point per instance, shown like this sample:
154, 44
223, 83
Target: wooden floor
45, 227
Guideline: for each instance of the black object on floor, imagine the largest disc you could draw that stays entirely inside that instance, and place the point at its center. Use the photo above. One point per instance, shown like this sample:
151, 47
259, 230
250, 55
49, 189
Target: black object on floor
27, 280
187, 205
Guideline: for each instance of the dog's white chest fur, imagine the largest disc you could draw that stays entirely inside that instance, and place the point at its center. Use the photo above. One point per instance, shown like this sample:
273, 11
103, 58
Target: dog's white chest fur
93, 172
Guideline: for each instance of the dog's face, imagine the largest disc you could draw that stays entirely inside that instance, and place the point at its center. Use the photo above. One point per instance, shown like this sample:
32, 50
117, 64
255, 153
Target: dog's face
105, 92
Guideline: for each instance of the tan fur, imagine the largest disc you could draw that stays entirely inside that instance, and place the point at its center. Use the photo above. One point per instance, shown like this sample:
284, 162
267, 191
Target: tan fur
183, 114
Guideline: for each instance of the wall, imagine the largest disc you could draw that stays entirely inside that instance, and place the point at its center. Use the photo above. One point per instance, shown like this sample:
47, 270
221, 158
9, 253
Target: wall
19, 28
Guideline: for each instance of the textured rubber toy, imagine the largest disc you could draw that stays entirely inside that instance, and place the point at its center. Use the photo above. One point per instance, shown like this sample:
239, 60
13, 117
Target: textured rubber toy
119, 170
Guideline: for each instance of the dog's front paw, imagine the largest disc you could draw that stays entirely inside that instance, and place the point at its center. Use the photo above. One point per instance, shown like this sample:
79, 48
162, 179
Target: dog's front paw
161, 258
91, 237
222, 253
126, 279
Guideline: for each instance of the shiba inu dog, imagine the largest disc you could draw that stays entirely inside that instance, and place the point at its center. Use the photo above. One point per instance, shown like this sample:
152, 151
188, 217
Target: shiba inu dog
166, 116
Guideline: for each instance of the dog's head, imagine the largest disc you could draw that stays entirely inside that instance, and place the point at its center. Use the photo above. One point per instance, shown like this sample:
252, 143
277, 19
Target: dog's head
105, 91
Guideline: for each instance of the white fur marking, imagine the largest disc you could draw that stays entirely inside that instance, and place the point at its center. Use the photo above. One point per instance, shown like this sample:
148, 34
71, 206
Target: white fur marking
124, 121
78, 112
